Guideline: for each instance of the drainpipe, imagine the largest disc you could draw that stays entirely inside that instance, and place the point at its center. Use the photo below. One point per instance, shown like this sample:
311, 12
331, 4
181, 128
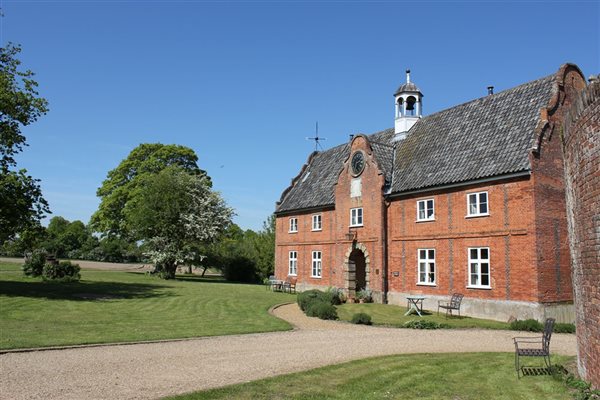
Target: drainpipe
384, 240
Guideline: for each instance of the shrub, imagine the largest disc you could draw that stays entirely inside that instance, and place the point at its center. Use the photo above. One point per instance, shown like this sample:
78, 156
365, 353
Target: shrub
361, 318
308, 297
64, 271
530, 325
239, 269
335, 295
424, 324
321, 310
34, 266
560, 327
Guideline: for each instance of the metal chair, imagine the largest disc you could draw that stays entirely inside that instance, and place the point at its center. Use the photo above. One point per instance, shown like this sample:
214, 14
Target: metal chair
290, 284
537, 346
453, 304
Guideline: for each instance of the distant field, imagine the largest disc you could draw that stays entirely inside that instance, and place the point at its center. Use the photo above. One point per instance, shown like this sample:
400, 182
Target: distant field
108, 306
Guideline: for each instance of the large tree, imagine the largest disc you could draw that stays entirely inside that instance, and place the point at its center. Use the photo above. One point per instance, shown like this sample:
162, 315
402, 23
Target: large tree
123, 183
173, 212
21, 203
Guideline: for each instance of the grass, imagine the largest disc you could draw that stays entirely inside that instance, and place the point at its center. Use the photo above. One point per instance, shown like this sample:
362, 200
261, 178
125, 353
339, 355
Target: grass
389, 315
470, 376
125, 306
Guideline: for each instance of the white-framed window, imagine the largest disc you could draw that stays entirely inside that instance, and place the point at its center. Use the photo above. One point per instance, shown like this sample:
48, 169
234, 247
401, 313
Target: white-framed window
293, 225
356, 216
425, 210
479, 267
316, 264
293, 263
477, 204
426, 266
317, 224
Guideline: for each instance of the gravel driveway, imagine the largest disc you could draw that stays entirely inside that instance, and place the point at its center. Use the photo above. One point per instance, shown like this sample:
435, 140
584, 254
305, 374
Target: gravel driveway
153, 370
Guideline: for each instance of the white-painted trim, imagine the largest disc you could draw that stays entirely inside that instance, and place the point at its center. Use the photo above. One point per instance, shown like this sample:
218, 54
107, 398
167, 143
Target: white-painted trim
426, 260
361, 217
426, 219
290, 225
320, 265
479, 261
487, 202
320, 219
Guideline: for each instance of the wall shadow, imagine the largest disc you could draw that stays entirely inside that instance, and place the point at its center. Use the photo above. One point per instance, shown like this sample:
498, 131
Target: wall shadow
82, 291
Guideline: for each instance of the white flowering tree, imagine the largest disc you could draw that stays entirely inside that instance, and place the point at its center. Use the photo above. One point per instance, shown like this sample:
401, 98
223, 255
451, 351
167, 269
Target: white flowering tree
172, 213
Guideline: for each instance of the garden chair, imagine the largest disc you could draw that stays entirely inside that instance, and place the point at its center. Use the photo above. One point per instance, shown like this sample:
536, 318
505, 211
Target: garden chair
537, 346
269, 284
453, 304
289, 285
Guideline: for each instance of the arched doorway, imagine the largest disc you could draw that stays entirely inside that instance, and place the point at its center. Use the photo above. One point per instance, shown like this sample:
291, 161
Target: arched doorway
357, 262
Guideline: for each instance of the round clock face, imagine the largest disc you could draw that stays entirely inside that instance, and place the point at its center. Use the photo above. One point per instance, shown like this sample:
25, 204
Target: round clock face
358, 163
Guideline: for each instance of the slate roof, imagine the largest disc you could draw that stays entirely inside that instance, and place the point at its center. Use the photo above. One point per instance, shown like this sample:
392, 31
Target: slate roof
486, 137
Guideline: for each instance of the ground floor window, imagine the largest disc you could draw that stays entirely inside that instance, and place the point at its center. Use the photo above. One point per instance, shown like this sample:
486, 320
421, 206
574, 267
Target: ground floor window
426, 266
479, 267
316, 264
293, 263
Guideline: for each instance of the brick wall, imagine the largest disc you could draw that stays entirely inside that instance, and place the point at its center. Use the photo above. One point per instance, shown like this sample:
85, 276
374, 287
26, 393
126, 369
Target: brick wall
582, 165
552, 251
506, 231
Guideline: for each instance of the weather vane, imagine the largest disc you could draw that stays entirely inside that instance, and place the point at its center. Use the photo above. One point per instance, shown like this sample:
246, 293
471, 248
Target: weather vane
317, 138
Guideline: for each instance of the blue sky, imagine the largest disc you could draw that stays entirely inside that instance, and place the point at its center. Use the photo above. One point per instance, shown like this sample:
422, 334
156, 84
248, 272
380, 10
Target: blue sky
242, 83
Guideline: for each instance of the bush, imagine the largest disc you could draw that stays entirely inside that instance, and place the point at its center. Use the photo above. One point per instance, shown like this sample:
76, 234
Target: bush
335, 295
530, 325
424, 324
361, 318
365, 294
34, 266
240, 269
321, 310
308, 297
560, 327
64, 271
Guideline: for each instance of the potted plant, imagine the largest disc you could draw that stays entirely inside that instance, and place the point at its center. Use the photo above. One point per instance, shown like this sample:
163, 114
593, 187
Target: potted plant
365, 295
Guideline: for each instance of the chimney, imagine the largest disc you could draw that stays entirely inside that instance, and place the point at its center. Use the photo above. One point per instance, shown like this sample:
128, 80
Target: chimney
490, 90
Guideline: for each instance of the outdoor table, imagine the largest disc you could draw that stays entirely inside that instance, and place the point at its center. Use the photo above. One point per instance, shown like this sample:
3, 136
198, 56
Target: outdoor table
415, 303
276, 285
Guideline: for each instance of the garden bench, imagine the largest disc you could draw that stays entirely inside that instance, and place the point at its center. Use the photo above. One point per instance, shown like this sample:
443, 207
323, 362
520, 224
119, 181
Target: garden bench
453, 304
534, 346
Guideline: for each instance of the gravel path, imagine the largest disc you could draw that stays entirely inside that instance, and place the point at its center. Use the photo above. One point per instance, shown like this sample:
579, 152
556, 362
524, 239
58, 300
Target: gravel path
153, 370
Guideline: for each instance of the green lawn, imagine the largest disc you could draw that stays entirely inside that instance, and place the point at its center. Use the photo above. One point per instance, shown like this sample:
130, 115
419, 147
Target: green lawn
385, 314
470, 376
123, 306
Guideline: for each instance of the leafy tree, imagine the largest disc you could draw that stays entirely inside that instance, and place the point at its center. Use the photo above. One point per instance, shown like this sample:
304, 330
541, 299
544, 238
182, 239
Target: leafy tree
21, 203
123, 184
173, 212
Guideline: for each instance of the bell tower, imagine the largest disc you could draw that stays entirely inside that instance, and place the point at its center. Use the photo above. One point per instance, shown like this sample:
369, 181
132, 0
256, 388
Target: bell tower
409, 107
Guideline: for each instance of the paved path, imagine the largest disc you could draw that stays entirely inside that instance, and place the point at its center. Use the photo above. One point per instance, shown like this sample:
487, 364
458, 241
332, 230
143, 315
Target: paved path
150, 371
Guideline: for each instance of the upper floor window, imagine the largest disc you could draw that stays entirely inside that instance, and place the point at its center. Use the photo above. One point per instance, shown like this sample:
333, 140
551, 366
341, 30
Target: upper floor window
479, 267
356, 217
426, 266
316, 264
293, 224
293, 263
317, 224
425, 210
477, 204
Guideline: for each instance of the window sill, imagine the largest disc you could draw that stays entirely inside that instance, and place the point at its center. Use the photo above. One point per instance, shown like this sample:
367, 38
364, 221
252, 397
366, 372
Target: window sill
479, 287
316, 230
315, 277
477, 215
425, 220
292, 274
356, 226
426, 284
292, 231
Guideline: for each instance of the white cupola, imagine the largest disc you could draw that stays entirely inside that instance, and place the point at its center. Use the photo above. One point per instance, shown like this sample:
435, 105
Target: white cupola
409, 106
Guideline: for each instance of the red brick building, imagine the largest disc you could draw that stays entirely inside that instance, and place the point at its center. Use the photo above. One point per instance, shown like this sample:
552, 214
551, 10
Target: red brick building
470, 199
